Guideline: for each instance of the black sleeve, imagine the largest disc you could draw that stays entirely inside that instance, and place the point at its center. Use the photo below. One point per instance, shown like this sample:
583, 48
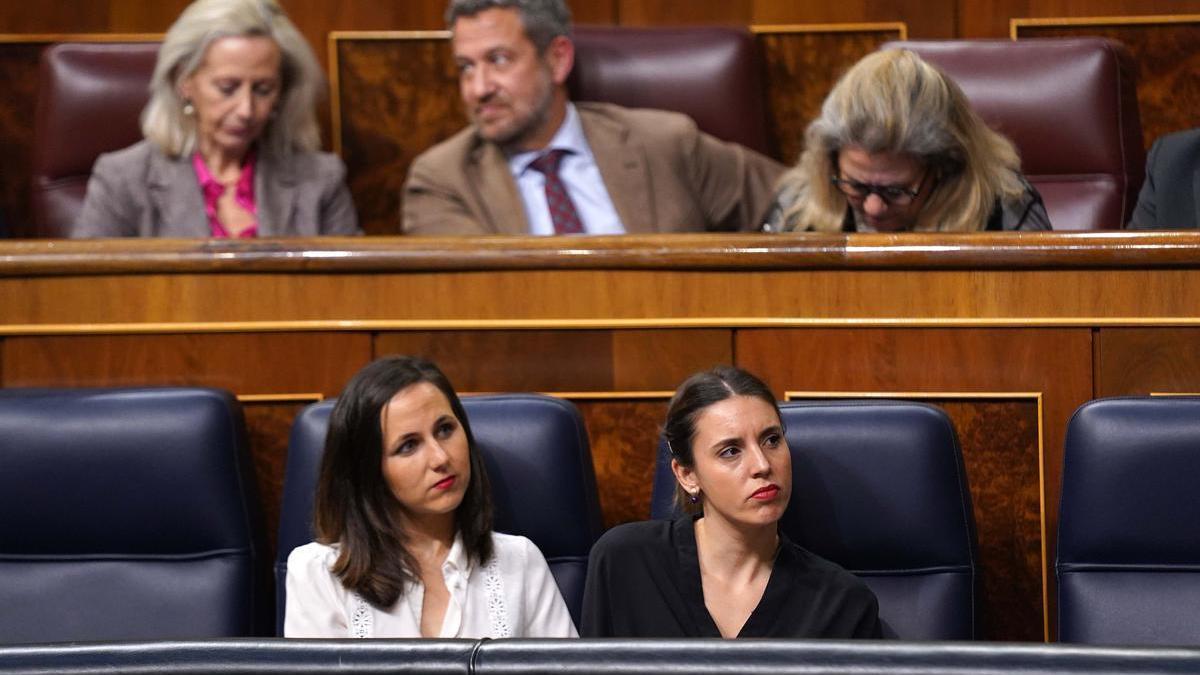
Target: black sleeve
868, 626
596, 620
1145, 213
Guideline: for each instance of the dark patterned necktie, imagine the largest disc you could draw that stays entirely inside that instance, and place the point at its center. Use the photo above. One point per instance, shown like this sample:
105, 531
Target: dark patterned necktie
562, 209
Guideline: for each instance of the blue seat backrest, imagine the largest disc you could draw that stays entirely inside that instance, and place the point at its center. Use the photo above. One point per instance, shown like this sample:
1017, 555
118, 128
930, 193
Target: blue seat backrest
1128, 563
879, 488
539, 463
128, 514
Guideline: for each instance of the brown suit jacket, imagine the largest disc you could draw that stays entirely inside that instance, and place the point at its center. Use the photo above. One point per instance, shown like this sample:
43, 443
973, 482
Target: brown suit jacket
141, 192
662, 173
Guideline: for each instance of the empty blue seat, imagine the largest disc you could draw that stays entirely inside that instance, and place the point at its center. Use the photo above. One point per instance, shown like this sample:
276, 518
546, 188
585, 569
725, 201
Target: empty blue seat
1128, 563
128, 514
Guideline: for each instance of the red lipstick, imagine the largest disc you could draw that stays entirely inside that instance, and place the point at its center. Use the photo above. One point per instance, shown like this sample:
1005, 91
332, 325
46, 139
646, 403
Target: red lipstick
445, 483
766, 493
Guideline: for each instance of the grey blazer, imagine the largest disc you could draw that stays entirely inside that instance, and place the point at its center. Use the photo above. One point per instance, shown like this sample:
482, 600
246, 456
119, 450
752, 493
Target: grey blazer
141, 192
1168, 197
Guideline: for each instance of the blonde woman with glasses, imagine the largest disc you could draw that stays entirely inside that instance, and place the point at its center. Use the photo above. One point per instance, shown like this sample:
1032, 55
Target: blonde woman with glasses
898, 148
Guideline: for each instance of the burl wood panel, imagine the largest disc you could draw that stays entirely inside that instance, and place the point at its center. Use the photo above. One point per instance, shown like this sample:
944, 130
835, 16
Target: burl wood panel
925, 18
1055, 362
989, 18
624, 439
397, 97
1142, 361
801, 68
19, 75
999, 439
1167, 62
268, 425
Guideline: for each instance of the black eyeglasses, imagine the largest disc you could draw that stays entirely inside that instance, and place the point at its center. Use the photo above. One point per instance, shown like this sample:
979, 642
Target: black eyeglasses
892, 195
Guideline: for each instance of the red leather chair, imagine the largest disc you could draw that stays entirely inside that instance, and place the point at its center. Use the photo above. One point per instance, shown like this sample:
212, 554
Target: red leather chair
713, 74
1070, 106
90, 100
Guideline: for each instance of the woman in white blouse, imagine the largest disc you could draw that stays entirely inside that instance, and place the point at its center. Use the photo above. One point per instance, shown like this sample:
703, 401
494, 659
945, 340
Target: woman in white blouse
403, 518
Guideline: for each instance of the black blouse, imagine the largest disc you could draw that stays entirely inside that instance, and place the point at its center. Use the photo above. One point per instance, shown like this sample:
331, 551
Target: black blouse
644, 581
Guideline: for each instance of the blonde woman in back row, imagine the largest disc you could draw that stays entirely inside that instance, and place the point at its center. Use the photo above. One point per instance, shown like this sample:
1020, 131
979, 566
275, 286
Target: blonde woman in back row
898, 148
231, 138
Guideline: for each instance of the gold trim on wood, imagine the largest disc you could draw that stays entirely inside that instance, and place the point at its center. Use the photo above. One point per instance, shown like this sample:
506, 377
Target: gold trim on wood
332, 325
1031, 22
879, 27
1036, 396
1173, 393
280, 398
610, 395
25, 38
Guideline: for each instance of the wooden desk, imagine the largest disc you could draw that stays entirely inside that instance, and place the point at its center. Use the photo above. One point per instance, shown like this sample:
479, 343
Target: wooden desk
1008, 332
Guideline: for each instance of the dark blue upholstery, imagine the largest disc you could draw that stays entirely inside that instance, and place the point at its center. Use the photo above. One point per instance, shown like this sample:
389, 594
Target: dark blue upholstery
1129, 524
127, 514
879, 488
540, 465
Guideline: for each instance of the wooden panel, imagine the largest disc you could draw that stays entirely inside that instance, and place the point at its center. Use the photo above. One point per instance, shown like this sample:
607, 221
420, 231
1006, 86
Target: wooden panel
396, 96
926, 18
564, 360
1167, 62
1142, 361
989, 18
501, 361
624, 439
1054, 363
19, 73
268, 424
802, 65
1000, 440
242, 363
576, 299
1001, 451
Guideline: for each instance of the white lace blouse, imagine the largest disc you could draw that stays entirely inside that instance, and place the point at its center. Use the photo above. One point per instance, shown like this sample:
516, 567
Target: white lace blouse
512, 595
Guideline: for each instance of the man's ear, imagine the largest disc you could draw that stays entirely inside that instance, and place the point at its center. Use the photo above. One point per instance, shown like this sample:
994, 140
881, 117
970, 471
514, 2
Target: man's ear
560, 56
686, 477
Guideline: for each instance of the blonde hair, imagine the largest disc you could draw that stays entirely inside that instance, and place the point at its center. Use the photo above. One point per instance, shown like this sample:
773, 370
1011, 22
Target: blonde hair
892, 101
293, 127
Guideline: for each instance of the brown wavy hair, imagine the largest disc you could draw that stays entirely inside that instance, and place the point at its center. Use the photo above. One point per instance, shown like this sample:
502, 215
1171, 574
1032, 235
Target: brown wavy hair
354, 507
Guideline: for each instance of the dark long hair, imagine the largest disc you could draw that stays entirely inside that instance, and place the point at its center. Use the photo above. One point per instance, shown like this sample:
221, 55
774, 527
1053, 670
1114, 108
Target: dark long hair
692, 397
355, 508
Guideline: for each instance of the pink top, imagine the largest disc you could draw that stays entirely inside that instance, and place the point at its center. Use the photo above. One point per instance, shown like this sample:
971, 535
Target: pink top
243, 195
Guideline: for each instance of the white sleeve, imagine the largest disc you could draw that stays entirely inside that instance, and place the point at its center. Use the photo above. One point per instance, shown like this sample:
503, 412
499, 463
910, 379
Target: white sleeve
315, 598
545, 614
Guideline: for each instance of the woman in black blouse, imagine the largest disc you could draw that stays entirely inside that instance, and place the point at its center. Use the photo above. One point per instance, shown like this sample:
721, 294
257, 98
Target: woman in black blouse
723, 570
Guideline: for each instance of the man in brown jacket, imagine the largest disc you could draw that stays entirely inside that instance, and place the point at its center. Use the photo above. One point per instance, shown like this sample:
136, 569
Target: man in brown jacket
532, 162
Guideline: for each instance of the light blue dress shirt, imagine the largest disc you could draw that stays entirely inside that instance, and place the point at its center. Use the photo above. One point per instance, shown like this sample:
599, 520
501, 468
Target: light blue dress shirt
580, 176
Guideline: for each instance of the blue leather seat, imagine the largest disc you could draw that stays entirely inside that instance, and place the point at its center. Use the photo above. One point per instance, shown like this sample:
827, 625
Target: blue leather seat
879, 488
128, 514
1129, 523
539, 463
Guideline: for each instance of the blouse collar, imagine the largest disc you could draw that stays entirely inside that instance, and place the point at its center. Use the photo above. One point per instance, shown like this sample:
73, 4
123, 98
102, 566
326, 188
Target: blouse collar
243, 194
